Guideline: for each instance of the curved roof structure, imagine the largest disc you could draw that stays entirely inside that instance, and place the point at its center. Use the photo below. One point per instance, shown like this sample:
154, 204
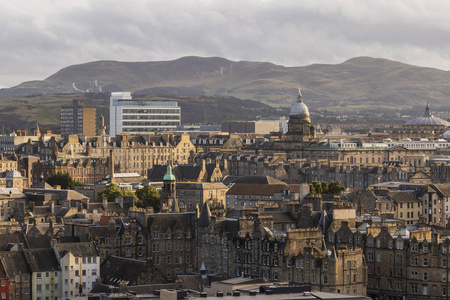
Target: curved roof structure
446, 135
169, 175
13, 174
428, 120
299, 108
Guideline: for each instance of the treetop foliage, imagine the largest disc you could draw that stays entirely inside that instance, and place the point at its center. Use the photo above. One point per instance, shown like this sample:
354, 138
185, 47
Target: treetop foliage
318, 187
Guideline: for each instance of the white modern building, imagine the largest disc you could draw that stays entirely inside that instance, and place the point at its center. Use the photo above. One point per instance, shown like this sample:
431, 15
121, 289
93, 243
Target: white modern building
141, 116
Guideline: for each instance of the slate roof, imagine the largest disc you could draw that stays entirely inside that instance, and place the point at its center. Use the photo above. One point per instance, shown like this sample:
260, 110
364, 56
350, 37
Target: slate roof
14, 238
116, 269
257, 179
14, 263
41, 260
69, 239
200, 185
205, 216
279, 216
38, 242
229, 179
444, 189
188, 172
157, 173
42, 185
98, 231
62, 194
162, 222
403, 196
82, 249
256, 189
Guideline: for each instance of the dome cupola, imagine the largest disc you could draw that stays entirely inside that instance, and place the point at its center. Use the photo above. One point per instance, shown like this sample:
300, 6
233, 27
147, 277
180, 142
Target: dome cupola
428, 120
299, 108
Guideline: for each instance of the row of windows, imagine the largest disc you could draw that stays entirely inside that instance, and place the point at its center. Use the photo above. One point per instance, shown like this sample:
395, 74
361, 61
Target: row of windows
178, 235
150, 111
146, 124
151, 117
177, 260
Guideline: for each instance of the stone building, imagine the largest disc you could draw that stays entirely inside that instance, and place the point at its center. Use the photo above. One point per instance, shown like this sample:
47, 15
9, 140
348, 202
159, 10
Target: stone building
16, 268
440, 172
298, 256
89, 159
411, 267
195, 194
436, 202
403, 205
86, 170
172, 242
124, 237
249, 191
214, 241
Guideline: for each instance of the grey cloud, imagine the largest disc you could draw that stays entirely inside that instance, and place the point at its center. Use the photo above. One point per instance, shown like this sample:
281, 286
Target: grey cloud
47, 35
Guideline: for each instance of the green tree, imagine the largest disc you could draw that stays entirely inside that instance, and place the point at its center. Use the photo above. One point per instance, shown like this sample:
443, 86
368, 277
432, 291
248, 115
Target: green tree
335, 187
111, 192
317, 187
63, 179
148, 197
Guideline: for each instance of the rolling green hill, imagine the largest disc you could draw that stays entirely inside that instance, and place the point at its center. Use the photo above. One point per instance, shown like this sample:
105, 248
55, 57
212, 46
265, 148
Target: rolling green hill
24, 112
361, 82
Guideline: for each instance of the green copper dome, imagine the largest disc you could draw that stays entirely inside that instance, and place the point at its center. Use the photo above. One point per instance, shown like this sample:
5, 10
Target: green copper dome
169, 175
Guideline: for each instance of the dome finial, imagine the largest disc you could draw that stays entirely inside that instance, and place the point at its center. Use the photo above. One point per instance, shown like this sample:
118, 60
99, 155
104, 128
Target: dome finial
428, 110
300, 97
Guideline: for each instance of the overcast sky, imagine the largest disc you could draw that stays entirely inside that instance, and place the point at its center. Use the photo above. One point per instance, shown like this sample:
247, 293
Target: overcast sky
39, 37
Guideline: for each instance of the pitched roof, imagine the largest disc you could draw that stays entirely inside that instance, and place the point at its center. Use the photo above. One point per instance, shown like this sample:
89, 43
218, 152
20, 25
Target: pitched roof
188, 172
163, 221
257, 189
13, 238
116, 269
82, 249
14, 263
403, 196
38, 242
157, 173
444, 189
41, 260
205, 216
257, 179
